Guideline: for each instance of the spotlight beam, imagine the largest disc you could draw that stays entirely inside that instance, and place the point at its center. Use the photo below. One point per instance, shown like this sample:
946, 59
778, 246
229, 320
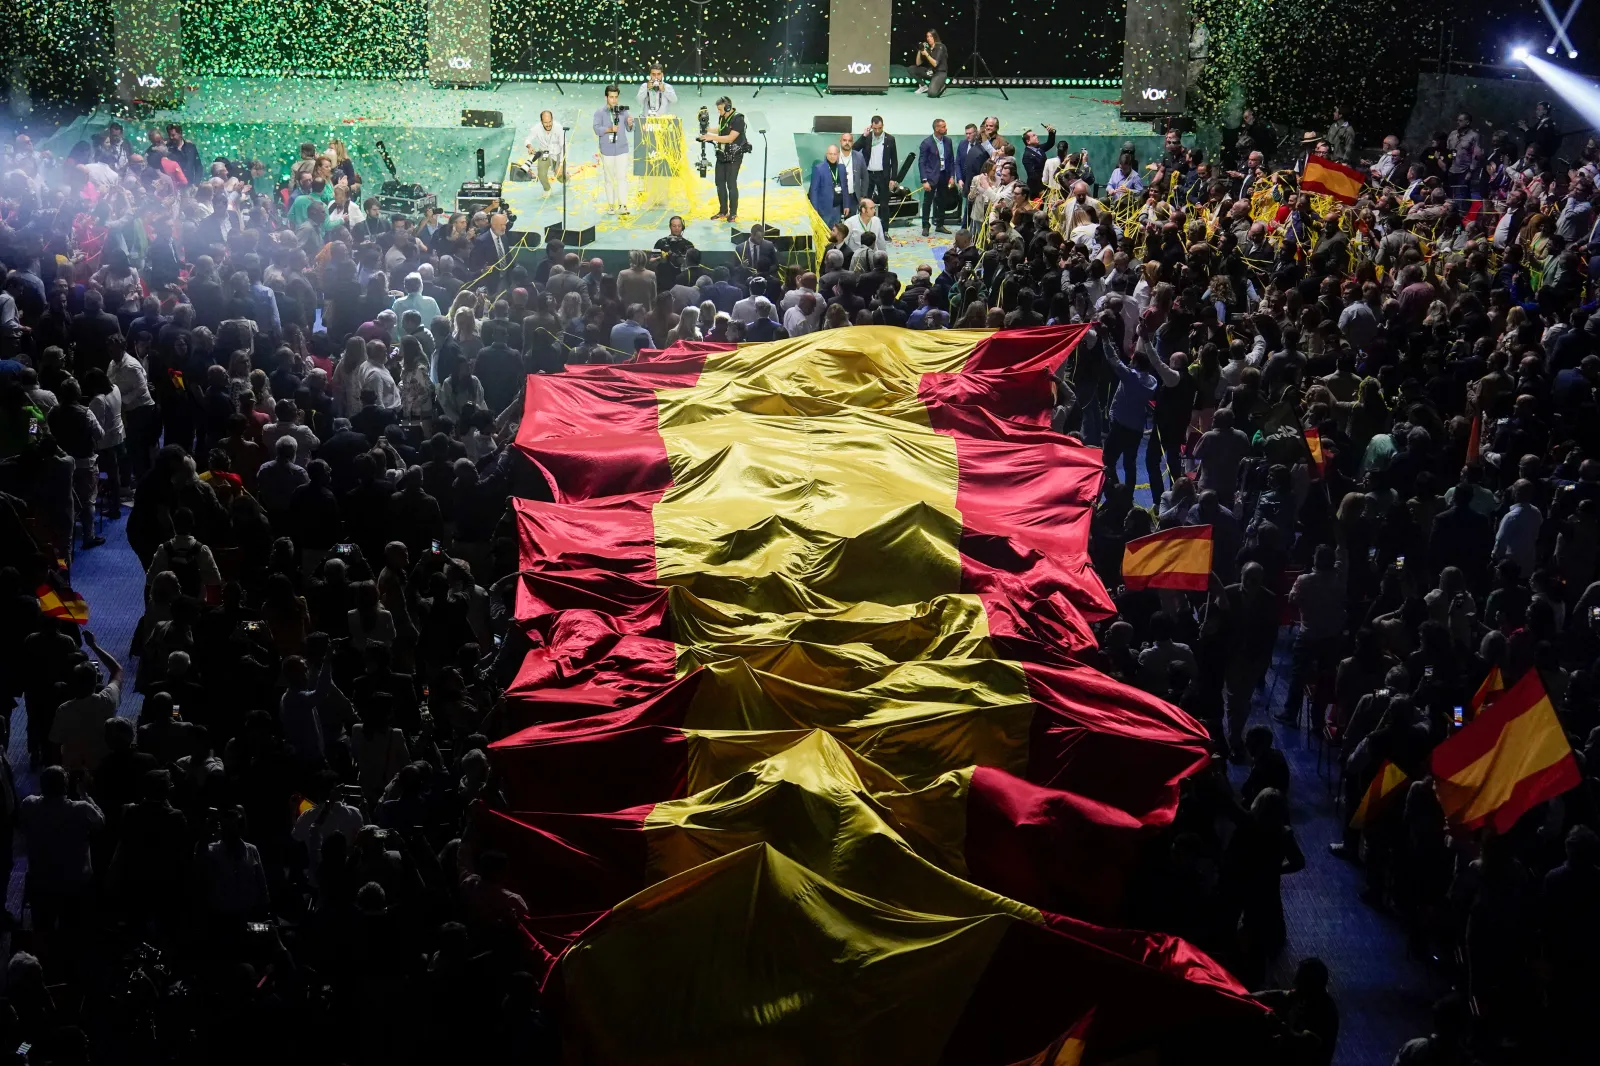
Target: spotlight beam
1561, 25
1576, 91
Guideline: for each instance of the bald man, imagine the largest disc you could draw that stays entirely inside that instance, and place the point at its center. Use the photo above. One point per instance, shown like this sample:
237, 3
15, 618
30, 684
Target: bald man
828, 186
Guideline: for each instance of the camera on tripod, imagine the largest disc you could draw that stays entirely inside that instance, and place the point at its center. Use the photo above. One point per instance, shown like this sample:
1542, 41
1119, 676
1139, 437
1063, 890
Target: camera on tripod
703, 164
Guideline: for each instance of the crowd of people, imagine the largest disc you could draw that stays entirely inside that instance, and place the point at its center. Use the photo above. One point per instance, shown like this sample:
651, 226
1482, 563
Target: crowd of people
303, 411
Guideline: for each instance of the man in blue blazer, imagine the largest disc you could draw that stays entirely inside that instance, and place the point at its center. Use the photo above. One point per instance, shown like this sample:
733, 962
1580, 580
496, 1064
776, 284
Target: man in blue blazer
828, 193
936, 163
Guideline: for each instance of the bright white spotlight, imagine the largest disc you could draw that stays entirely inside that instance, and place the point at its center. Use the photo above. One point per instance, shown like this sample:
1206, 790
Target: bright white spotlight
1572, 54
1548, 51
1520, 54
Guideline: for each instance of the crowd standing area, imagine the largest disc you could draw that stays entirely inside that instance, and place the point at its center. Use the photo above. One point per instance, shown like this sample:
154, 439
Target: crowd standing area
1381, 401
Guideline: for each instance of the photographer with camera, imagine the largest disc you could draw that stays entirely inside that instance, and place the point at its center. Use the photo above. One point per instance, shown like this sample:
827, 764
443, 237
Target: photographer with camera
547, 153
732, 144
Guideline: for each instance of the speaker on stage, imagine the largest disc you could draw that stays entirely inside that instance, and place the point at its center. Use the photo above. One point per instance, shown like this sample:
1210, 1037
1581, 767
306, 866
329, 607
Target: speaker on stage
148, 52
789, 176
571, 238
832, 124
1155, 59
458, 42
858, 45
484, 119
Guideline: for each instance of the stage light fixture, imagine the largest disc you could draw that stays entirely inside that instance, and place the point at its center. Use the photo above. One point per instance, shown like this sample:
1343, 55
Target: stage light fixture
1548, 51
1520, 54
1573, 54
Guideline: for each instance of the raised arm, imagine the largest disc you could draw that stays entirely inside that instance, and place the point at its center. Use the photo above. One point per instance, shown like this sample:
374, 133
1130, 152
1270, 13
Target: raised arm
113, 668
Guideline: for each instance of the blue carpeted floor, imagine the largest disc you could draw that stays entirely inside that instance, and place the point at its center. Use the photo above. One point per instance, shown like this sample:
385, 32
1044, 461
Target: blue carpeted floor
1383, 995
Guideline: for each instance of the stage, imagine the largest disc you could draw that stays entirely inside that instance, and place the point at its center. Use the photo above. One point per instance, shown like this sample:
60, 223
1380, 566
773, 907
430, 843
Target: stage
420, 127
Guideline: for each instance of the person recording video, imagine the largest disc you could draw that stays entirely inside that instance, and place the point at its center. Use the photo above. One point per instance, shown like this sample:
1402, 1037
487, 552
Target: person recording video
612, 124
731, 144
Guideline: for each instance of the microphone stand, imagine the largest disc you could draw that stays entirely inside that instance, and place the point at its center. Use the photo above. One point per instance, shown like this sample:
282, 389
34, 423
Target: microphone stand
764, 147
562, 174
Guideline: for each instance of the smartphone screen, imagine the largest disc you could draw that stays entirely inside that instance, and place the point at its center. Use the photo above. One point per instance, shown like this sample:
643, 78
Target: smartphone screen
1457, 717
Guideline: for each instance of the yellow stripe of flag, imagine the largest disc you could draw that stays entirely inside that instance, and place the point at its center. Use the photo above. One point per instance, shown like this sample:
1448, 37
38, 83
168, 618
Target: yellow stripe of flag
1171, 559
1390, 777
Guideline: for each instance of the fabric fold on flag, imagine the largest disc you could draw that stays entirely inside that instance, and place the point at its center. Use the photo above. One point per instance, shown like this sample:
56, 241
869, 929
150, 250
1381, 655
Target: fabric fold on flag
801, 722
58, 601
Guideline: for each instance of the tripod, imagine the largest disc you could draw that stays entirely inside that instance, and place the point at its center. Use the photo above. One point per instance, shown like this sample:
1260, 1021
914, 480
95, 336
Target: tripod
524, 59
976, 62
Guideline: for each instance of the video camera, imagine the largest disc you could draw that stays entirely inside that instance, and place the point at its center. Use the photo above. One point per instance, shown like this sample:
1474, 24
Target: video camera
703, 164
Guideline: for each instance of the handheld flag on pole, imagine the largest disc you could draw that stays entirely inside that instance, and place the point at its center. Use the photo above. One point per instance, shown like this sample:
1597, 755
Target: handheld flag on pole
57, 600
1332, 179
1319, 458
1475, 440
1171, 559
1506, 761
1378, 794
1492, 686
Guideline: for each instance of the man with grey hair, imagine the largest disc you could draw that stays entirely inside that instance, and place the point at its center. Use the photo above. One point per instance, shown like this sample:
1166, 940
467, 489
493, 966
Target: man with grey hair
764, 327
415, 300
278, 478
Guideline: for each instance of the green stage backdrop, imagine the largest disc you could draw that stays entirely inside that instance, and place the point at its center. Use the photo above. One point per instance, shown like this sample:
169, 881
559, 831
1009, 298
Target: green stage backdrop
438, 157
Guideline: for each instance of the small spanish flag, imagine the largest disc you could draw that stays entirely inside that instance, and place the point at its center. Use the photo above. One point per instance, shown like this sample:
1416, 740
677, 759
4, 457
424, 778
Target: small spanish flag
1171, 559
1506, 761
175, 376
1475, 440
1066, 1049
1492, 686
57, 600
1332, 179
1378, 794
1319, 458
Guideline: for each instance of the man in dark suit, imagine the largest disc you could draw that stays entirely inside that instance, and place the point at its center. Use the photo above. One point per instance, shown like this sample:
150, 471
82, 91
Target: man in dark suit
492, 249
827, 193
1461, 537
970, 158
883, 166
373, 226
217, 227
759, 255
855, 185
936, 162
184, 153
89, 334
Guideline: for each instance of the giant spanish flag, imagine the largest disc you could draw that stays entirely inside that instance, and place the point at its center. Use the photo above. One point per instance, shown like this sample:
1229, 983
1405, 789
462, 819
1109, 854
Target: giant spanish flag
1178, 558
1510, 758
808, 771
1332, 179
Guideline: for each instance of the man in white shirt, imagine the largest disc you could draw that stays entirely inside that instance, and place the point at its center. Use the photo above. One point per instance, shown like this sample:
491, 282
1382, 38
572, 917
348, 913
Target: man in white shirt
655, 95
804, 315
744, 311
287, 425
376, 377
865, 221
547, 150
